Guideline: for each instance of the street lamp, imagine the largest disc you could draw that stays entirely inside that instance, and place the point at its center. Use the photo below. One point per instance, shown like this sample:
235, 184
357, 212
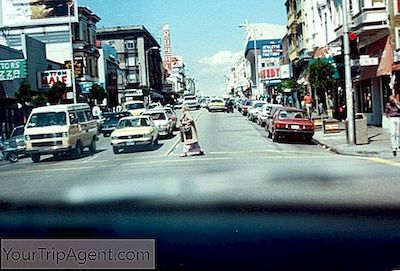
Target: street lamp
253, 34
72, 52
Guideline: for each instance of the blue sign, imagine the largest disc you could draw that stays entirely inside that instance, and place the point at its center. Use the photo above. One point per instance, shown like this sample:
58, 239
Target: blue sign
86, 86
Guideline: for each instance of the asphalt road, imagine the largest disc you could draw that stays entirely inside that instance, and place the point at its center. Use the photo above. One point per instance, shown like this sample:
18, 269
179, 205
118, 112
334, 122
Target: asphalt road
241, 163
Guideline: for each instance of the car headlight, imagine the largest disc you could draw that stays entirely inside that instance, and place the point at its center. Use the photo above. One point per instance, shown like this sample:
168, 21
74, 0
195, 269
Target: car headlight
27, 137
114, 137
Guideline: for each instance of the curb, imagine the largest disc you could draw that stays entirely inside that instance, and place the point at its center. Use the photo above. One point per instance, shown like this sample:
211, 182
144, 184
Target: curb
356, 154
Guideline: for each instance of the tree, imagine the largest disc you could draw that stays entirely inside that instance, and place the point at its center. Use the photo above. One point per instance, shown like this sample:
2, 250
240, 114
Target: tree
320, 75
24, 93
97, 93
289, 84
39, 100
56, 92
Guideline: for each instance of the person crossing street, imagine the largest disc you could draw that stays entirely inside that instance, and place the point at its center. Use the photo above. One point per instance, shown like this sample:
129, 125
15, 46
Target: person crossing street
392, 111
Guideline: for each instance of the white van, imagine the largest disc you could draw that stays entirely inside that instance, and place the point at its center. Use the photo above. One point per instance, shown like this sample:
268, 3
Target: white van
59, 129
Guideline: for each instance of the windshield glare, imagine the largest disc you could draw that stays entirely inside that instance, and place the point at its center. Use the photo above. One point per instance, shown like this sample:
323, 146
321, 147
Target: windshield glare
47, 119
156, 116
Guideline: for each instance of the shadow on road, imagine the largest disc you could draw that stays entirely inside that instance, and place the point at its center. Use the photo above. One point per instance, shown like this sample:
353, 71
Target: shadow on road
141, 149
69, 156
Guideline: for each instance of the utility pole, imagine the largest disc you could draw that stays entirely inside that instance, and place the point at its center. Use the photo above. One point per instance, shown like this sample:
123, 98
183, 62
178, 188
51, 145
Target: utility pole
347, 71
72, 53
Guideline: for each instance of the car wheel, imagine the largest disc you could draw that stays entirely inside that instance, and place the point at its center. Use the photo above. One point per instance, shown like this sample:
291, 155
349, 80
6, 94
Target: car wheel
57, 156
78, 150
262, 124
13, 157
35, 157
115, 150
92, 146
274, 137
155, 143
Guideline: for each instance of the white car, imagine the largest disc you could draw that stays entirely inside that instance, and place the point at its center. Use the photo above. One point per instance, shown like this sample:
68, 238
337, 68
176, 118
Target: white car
191, 102
254, 110
265, 112
170, 112
162, 121
134, 107
133, 131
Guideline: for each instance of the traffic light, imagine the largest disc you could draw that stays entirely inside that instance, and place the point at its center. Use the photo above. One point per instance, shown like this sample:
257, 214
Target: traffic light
353, 40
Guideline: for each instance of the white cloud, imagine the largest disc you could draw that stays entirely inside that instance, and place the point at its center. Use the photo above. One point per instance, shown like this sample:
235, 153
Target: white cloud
221, 58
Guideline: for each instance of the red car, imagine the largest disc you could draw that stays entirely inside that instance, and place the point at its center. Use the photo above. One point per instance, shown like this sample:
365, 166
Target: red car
290, 123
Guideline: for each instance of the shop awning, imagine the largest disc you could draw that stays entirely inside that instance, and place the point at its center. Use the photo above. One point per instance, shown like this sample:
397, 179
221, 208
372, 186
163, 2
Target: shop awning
386, 63
375, 49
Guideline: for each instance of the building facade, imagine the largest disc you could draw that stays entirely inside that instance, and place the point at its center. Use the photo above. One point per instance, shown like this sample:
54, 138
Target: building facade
140, 59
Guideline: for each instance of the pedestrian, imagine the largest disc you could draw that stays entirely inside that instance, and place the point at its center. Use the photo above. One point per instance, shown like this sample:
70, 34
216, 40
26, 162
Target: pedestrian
290, 101
329, 106
392, 111
188, 134
308, 101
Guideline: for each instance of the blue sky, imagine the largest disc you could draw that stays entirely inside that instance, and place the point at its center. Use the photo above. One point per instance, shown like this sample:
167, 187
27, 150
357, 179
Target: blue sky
204, 32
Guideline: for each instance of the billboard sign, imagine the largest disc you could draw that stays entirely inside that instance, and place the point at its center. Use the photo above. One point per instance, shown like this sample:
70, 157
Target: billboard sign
46, 79
177, 61
43, 12
13, 69
271, 50
78, 66
270, 73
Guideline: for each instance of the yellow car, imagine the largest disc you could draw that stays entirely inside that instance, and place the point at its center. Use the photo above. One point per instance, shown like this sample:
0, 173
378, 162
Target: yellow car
136, 108
133, 131
216, 105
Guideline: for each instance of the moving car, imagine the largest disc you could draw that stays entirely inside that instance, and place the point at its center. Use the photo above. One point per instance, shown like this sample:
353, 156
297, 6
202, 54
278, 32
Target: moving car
59, 129
162, 121
254, 110
216, 104
291, 123
133, 131
111, 120
191, 102
134, 107
178, 104
265, 112
171, 114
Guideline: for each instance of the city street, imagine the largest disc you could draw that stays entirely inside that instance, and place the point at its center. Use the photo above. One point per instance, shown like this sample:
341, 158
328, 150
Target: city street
241, 163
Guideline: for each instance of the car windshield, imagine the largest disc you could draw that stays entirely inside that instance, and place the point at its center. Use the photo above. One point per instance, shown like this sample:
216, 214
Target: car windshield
47, 119
156, 116
18, 131
128, 123
134, 106
287, 114
114, 117
258, 105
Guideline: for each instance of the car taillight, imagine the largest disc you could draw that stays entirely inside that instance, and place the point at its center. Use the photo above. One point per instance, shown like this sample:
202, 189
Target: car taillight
280, 125
309, 127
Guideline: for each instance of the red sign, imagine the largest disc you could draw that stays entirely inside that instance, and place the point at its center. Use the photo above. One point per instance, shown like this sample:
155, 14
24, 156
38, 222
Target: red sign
271, 73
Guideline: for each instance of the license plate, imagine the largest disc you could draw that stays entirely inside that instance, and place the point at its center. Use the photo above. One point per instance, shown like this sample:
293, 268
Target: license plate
130, 143
295, 127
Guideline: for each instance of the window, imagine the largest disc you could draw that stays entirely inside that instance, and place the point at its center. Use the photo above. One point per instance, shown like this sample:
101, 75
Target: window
130, 44
132, 61
89, 115
47, 119
81, 116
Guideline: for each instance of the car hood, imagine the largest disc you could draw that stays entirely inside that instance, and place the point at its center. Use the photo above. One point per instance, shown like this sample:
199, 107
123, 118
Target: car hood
46, 130
132, 131
160, 122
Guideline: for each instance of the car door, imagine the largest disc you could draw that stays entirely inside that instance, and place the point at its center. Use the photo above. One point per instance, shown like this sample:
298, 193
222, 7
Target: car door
83, 127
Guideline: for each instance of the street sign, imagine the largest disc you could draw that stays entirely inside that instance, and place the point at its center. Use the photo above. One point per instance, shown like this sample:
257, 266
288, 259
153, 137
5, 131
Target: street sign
366, 60
13, 69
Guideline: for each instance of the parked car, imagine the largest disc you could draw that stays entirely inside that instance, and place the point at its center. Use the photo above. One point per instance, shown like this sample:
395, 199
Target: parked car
154, 105
111, 120
216, 104
245, 107
16, 141
291, 123
204, 102
162, 121
59, 129
134, 131
191, 102
275, 108
254, 110
265, 112
134, 107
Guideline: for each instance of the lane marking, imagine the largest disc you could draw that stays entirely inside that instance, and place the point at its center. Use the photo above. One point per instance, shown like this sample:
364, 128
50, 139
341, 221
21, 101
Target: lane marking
381, 161
172, 148
184, 160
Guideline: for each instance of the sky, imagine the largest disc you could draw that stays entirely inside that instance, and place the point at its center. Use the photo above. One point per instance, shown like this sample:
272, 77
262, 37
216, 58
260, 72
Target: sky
204, 32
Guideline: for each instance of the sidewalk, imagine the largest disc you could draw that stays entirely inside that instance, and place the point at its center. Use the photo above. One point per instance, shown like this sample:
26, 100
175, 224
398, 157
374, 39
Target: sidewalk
379, 143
